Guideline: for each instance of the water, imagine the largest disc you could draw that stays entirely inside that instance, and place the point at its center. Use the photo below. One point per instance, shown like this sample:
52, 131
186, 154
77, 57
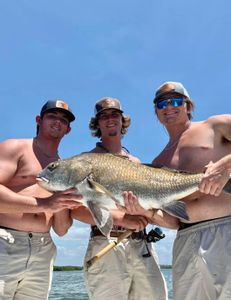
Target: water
69, 285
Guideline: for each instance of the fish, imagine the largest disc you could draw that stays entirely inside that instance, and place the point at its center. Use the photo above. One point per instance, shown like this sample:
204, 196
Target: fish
101, 179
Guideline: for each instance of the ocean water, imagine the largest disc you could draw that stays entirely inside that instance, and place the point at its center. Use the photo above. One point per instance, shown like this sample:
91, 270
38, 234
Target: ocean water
69, 285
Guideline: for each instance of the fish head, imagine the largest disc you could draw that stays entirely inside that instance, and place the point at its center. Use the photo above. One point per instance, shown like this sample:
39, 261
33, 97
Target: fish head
63, 174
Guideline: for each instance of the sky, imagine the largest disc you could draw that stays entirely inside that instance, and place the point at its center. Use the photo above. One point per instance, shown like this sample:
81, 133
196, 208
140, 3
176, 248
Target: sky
81, 51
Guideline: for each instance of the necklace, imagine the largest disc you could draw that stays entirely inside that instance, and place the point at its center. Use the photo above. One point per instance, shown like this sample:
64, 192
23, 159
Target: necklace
55, 156
100, 145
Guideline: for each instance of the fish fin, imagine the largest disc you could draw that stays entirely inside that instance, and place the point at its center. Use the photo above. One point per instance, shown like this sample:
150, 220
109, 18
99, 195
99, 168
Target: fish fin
160, 166
101, 189
177, 209
102, 218
227, 187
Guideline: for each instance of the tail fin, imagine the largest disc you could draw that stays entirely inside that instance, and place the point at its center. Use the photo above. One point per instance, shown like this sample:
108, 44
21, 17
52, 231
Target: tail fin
227, 187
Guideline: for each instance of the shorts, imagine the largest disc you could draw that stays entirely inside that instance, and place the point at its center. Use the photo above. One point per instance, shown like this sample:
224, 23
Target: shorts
202, 261
123, 273
26, 264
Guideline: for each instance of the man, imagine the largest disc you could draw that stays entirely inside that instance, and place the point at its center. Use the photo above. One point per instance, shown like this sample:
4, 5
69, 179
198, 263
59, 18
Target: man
27, 251
202, 249
129, 271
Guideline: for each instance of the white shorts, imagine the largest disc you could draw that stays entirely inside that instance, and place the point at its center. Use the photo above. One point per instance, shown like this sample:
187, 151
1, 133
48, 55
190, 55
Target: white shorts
202, 261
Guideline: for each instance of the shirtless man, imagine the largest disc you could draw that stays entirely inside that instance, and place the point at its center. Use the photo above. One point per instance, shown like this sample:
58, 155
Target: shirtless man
202, 248
27, 212
127, 272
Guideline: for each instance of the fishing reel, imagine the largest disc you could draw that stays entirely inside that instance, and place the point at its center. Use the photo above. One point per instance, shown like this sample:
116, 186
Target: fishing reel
155, 235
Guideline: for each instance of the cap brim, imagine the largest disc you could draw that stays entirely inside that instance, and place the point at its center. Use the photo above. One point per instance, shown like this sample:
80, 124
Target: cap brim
166, 93
69, 114
106, 108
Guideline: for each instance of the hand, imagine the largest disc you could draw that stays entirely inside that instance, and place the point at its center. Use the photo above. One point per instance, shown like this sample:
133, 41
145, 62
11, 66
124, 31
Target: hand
132, 206
137, 223
61, 200
215, 178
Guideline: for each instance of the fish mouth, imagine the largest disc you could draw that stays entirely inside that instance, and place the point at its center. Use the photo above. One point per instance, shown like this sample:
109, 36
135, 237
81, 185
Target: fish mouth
43, 179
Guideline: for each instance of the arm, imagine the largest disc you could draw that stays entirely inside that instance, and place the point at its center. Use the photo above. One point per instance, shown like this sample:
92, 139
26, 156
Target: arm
11, 180
10, 162
62, 221
154, 216
137, 223
217, 174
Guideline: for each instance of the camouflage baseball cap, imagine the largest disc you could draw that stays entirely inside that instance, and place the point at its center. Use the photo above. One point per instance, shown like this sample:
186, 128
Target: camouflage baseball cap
171, 87
107, 103
52, 105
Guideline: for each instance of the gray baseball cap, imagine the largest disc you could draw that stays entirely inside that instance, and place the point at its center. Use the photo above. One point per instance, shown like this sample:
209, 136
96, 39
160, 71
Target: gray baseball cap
170, 87
107, 103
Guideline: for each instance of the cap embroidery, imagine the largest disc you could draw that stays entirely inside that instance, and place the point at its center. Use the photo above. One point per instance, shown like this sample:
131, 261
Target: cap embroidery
62, 104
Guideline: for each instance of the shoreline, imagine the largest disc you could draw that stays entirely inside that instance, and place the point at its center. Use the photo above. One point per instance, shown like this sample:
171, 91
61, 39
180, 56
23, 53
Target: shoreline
80, 268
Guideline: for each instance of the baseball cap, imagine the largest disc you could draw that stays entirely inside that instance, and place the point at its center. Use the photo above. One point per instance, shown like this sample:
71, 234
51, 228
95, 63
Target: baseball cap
107, 103
171, 87
58, 105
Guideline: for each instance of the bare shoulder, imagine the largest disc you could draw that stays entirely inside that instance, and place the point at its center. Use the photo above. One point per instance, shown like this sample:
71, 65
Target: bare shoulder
13, 145
221, 124
219, 119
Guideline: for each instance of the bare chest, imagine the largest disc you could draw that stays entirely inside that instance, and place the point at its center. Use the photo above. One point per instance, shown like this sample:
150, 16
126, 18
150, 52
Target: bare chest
194, 151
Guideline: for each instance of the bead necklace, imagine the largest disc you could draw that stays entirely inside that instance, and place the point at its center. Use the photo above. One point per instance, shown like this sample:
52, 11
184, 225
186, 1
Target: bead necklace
100, 145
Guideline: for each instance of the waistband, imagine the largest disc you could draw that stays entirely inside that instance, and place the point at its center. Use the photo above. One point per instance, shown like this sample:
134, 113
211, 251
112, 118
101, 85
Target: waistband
30, 234
116, 232
185, 227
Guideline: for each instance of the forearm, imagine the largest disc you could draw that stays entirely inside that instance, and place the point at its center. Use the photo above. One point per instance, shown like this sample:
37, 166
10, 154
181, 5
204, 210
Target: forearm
14, 202
62, 221
163, 219
83, 214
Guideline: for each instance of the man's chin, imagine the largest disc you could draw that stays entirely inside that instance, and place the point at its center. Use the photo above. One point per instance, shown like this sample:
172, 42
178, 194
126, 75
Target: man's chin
113, 133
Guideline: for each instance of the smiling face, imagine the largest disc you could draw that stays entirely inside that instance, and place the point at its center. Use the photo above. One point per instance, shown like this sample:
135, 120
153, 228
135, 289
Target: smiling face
173, 112
110, 122
54, 123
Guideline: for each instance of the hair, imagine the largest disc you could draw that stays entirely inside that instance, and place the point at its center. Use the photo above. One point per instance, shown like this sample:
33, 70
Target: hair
96, 132
190, 107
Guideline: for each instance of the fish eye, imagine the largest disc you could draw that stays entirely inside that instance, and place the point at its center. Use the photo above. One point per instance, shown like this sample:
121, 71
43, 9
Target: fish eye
52, 166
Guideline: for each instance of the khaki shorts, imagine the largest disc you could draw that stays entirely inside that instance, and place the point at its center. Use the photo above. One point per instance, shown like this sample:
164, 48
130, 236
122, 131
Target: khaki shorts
202, 261
123, 273
26, 265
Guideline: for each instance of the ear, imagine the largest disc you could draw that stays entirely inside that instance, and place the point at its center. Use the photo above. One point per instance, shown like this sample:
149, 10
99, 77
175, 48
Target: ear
68, 130
38, 120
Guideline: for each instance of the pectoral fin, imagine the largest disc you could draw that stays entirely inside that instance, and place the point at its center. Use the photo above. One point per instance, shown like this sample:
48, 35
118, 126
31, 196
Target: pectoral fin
177, 209
102, 218
101, 189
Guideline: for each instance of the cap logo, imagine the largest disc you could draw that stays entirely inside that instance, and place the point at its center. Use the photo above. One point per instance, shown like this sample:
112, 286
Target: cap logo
62, 104
108, 103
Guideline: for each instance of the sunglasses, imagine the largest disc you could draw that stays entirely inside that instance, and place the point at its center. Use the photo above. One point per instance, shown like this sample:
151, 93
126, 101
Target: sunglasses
175, 102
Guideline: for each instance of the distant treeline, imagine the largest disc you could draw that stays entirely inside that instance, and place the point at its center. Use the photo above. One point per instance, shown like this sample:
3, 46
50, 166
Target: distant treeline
78, 268
68, 268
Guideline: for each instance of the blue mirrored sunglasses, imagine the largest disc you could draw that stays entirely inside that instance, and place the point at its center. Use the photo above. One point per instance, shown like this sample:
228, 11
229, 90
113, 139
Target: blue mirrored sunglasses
175, 102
